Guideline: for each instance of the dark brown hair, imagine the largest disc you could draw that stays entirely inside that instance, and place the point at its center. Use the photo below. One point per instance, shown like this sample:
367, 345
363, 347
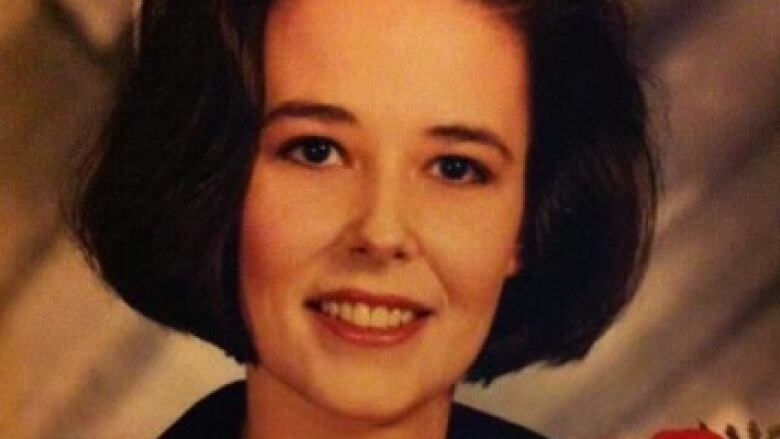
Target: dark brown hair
160, 199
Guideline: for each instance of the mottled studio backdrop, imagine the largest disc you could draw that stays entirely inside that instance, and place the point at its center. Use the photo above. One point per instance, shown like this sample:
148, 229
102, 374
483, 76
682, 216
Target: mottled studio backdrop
701, 342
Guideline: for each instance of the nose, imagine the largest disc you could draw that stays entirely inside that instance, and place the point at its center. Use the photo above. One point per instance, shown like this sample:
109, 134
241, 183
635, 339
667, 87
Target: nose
382, 231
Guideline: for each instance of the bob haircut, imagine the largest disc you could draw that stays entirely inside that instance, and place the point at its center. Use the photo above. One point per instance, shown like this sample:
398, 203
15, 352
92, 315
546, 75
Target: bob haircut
159, 201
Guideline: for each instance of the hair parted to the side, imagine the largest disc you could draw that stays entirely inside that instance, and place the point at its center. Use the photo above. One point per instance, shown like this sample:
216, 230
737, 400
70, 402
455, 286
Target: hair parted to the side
591, 189
161, 196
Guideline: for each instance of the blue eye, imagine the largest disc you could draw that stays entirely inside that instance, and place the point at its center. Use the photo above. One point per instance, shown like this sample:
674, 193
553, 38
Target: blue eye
460, 169
314, 151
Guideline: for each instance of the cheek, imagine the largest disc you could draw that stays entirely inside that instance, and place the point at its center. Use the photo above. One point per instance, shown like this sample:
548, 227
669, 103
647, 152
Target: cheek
280, 233
287, 222
474, 251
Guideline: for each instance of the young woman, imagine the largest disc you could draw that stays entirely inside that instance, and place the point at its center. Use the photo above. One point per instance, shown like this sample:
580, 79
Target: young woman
369, 201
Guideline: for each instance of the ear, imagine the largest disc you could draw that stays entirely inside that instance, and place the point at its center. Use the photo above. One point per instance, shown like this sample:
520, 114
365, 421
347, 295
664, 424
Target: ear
513, 263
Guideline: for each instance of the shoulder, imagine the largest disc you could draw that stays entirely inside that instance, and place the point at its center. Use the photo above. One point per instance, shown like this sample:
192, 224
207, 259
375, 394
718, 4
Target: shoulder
469, 423
220, 414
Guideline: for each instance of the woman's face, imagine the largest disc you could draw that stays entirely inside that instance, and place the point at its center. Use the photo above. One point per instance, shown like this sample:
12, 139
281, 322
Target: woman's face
383, 211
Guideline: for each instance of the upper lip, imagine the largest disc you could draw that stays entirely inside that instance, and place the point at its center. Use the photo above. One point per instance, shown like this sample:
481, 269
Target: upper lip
390, 300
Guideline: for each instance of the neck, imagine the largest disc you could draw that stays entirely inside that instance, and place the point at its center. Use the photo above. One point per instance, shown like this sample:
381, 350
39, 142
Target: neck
277, 411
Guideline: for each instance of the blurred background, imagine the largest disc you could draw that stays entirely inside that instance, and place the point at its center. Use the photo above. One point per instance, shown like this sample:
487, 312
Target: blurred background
701, 342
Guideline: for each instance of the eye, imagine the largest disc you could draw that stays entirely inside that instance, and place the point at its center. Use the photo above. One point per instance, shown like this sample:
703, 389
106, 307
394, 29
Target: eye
314, 151
460, 170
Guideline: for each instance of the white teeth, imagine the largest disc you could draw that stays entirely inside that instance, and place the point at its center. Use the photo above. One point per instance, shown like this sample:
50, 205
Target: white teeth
406, 316
362, 316
330, 308
379, 316
395, 318
365, 316
345, 311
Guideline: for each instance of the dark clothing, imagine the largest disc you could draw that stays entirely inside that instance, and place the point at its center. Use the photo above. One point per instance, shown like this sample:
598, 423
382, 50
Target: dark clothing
221, 415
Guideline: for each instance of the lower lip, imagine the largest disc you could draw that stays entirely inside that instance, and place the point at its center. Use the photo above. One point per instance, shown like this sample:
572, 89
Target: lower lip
370, 337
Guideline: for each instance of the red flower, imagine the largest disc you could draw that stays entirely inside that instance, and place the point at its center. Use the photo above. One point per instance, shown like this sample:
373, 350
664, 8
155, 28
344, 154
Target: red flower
699, 433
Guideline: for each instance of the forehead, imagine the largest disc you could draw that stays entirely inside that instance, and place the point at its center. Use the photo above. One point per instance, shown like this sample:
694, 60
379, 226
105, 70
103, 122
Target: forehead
404, 54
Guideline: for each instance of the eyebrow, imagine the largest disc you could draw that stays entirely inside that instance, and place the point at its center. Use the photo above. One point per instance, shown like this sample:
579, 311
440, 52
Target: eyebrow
462, 133
309, 110
457, 133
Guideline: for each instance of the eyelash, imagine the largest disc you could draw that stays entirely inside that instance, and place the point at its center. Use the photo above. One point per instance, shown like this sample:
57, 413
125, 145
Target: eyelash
295, 146
480, 173
292, 150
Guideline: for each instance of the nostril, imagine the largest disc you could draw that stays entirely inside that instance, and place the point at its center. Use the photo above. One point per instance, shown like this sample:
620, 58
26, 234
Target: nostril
394, 252
360, 250
400, 254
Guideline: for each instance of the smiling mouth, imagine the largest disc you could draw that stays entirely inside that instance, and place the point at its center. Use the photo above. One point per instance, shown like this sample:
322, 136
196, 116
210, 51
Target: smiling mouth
365, 315
368, 319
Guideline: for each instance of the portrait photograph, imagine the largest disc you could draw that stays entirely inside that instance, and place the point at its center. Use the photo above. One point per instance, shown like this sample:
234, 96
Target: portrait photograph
390, 219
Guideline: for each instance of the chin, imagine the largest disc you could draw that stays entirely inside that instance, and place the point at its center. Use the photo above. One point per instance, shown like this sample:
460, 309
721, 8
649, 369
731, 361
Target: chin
379, 405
